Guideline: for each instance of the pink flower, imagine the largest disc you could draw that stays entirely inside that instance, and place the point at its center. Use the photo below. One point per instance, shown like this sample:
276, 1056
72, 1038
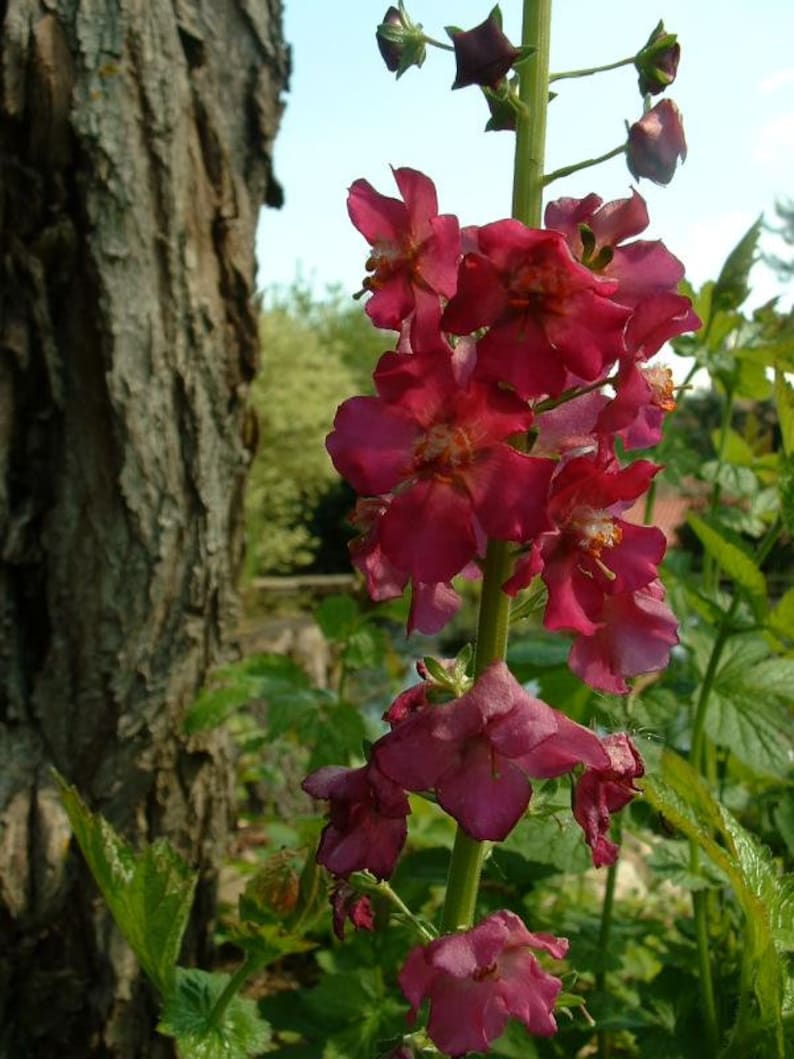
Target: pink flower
645, 394
656, 143
600, 792
547, 315
366, 828
414, 254
646, 273
633, 633
433, 604
475, 980
595, 553
437, 440
478, 751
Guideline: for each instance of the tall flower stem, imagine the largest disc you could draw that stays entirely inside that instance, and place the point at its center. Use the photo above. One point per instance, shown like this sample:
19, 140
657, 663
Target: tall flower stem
494, 617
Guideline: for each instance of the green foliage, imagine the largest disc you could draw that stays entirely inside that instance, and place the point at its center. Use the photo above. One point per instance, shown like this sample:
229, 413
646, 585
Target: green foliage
314, 355
765, 899
189, 1015
149, 894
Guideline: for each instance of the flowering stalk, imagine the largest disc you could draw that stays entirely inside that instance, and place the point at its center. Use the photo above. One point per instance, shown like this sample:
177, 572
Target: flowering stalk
494, 616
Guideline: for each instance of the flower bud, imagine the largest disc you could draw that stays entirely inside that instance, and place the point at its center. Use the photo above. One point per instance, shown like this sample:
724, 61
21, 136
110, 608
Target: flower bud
657, 62
400, 41
483, 55
656, 142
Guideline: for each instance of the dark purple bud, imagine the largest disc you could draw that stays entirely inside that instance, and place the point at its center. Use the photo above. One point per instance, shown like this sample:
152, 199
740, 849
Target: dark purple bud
657, 63
656, 143
400, 41
483, 55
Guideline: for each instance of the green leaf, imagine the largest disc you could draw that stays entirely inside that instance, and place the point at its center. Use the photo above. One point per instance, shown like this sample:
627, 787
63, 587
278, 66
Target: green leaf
149, 894
732, 286
681, 795
736, 563
337, 616
781, 617
259, 676
238, 1034
735, 450
749, 706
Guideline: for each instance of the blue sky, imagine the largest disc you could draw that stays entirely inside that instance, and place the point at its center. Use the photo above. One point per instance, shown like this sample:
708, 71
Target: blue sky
347, 117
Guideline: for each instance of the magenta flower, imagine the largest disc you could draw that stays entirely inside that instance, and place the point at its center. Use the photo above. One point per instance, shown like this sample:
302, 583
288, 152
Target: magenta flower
414, 254
633, 633
548, 316
601, 792
477, 979
433, 604
478, 751
596, 553
656, 143
366, 828
644, 395
483, 55
437, 441
646, 273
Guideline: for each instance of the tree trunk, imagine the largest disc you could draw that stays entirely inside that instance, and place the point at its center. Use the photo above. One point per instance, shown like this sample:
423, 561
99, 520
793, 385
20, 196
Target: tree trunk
135, 147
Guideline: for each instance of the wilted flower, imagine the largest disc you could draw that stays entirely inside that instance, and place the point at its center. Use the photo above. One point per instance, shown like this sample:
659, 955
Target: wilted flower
656, 142
600, 792
475, 980
366, 827
349, 906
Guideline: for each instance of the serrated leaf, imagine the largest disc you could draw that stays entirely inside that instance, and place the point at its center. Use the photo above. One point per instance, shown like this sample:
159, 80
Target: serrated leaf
149, 894
681, 795
732, 286
735, 563
756, 731
238, 1034
749, 707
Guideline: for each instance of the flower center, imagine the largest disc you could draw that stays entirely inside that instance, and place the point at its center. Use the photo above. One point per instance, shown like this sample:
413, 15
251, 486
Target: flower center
384, 261
447, 447
491, 971
660, 381
597, 530
537, 286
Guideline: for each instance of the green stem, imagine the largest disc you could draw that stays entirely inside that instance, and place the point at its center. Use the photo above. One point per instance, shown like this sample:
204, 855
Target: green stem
233, 987
384, 888
590, 70
494, 617
604, 932
567, 170
533, 92
437, 43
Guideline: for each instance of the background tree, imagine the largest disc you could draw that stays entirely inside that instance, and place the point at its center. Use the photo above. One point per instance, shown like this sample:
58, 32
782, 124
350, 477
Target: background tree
783, 266
135, 147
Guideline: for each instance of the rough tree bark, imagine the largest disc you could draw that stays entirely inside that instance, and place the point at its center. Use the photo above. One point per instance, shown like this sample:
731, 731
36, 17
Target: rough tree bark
135, 148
